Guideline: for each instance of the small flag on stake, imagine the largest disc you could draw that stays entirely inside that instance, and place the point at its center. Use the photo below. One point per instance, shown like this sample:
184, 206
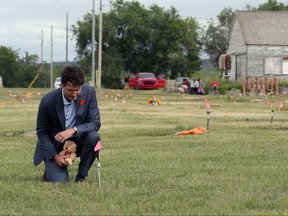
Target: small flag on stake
208, 106
281, 105
123, 101
98, 146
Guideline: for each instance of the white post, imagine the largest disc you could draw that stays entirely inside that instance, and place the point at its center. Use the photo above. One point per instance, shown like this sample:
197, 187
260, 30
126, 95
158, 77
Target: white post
99, 175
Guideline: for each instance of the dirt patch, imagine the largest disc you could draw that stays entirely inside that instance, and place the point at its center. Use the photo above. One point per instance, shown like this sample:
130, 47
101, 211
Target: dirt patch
30, 134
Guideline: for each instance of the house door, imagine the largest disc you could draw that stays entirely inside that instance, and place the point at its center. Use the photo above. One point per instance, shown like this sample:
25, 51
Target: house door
240, 66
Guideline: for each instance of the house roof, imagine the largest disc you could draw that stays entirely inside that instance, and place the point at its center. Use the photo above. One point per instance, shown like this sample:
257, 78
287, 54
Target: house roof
263, 27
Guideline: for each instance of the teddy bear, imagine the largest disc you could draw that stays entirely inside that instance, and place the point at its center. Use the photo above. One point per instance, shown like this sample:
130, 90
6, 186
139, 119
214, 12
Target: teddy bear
69, 150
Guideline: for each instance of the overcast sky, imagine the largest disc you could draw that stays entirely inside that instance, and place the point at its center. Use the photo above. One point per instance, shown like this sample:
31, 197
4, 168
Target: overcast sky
21, 21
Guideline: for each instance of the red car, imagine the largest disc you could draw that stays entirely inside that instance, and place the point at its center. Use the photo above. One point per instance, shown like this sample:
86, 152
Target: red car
161, 81
146, 80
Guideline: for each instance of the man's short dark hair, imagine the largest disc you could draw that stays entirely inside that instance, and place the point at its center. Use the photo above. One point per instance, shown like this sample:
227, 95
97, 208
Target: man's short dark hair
72, 74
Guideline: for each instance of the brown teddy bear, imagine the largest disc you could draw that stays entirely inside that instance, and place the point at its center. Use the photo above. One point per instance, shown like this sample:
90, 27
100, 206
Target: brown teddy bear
69, 150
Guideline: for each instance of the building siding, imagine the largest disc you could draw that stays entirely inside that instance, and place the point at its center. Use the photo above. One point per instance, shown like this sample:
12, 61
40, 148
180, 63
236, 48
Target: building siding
251, 56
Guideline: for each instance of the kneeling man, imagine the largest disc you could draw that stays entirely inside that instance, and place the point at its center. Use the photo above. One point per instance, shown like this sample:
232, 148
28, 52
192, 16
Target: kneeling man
67, 113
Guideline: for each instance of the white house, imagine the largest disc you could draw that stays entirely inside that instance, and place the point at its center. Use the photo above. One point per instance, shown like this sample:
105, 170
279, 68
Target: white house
258, 45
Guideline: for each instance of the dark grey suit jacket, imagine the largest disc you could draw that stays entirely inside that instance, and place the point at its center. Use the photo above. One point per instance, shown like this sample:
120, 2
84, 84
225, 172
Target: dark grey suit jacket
51, 120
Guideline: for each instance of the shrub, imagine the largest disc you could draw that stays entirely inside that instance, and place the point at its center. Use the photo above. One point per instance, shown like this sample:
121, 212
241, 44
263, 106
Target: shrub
227, 85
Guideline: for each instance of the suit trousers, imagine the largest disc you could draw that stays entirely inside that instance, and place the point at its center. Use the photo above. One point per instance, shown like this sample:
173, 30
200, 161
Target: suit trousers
85, 150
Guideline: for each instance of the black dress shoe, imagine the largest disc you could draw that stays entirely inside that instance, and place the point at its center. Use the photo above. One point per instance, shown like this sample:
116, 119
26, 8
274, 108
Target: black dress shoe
80, 179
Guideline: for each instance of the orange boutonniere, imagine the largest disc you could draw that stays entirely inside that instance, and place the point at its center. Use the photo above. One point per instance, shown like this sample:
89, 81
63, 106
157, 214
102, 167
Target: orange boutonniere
82, 102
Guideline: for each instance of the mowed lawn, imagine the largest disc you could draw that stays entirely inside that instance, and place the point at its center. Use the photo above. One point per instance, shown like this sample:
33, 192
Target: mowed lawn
239, 167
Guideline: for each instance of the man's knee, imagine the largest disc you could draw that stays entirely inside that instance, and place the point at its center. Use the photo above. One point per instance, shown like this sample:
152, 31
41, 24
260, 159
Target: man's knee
58, 178
54, 173
90, 139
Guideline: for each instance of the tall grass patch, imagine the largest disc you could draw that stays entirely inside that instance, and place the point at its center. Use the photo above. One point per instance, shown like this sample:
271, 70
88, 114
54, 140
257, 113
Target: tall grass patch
239, 167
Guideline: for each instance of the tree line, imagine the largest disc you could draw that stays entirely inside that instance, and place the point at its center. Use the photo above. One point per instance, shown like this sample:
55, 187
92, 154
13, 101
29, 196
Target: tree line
135, 38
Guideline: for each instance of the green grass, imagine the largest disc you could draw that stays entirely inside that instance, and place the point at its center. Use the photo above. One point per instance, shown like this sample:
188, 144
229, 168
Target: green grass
239, 167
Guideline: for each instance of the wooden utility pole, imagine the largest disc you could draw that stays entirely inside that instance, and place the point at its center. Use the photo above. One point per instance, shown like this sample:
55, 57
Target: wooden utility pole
51, 66
41, 49
100, 48
66, 63
93, 46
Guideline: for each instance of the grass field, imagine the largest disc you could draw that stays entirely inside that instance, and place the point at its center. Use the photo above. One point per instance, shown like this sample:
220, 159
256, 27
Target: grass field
239, 167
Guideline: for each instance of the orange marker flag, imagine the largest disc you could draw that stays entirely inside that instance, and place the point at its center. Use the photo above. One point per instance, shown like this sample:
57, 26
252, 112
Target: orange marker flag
208, 106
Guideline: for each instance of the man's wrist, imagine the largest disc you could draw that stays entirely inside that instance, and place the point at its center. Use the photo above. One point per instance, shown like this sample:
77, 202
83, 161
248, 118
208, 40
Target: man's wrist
54, 157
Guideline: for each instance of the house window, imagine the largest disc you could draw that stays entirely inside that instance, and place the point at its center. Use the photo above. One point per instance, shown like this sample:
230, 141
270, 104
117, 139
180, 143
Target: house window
285, 65
273, 65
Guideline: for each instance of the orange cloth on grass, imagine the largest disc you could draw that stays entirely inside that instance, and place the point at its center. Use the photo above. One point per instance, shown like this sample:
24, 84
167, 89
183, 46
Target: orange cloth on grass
194, 131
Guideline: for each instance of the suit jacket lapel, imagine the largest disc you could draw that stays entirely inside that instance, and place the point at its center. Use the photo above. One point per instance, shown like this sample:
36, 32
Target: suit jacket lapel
80, 104
59, 106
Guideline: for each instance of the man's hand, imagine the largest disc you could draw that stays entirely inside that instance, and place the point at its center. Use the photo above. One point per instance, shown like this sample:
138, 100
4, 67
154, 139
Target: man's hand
60, 160
64, 135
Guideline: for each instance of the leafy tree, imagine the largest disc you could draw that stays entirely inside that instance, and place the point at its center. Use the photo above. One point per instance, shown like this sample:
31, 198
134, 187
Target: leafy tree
217, 35
17, 72
43, 79
9, 65
138, 39
272, 5
28, 70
